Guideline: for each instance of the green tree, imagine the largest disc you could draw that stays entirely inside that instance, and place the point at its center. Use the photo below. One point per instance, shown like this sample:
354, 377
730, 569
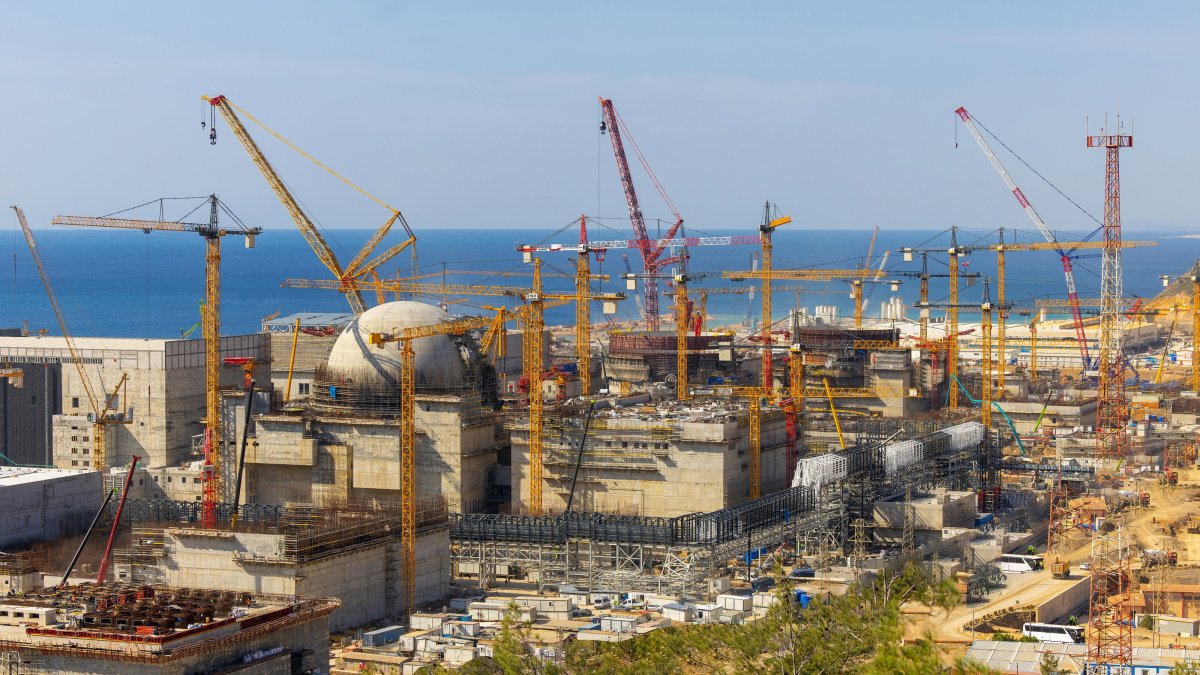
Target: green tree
1049, 665
511, 649
1185, 668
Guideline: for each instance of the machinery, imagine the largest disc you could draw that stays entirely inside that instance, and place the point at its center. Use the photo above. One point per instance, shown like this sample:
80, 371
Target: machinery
212, 233
103, 411
652, 251
363, 266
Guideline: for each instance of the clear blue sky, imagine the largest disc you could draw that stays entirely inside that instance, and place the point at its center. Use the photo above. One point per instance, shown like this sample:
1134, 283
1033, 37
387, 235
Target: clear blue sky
484, 114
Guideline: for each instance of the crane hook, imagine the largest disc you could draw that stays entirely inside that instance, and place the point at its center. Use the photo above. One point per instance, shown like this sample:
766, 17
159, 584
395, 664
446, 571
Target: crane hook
603, 127
212, 136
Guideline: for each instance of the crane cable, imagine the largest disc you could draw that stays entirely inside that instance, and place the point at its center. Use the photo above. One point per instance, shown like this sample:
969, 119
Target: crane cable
1035, 171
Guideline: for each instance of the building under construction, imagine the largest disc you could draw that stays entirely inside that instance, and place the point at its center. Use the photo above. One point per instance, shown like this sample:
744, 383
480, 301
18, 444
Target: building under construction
125, 628
347, 551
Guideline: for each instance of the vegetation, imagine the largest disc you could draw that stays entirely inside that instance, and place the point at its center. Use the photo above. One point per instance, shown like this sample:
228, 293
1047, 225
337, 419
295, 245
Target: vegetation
859, 632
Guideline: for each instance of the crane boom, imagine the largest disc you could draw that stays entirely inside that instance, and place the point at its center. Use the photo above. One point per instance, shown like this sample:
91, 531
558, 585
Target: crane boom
58, 313
651, 251
1068, 271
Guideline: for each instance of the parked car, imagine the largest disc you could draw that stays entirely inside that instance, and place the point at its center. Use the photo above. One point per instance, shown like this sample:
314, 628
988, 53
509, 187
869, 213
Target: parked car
1085, 565
580, 611
803, 572
602, 603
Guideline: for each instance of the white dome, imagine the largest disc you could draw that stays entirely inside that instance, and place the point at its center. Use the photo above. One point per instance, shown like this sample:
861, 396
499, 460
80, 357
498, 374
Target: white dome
437, 358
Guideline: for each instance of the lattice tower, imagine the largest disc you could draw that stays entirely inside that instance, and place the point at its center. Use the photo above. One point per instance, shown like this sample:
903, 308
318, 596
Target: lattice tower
1110, 633
908, 542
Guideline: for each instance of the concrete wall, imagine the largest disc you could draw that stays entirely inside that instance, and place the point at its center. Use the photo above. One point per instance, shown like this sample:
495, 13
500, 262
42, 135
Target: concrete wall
41, 504
26, 414
364, 578
626, 469
455, 445
163, 395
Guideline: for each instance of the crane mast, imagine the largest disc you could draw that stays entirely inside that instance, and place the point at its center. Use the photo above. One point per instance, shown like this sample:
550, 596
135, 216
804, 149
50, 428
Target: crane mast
1068, 271
210, 319
651, 250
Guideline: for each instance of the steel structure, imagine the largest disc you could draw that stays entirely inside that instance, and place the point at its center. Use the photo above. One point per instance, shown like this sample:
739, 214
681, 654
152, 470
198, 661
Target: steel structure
363, 266
211, 232
652, 250
596, 550
1112, 442
103, 410
1109, 632
765, 230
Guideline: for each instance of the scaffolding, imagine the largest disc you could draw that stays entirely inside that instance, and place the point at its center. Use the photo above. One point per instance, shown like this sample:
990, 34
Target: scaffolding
596, 550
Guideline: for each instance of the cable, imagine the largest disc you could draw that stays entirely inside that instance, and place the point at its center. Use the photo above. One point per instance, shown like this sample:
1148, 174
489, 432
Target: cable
1035, 172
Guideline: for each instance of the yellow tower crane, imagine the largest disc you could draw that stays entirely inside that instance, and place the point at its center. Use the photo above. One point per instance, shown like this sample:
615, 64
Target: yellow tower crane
765, 231
408, 433
532, 322
363, 266
212, 233
103, 412
856, 277
1001, 249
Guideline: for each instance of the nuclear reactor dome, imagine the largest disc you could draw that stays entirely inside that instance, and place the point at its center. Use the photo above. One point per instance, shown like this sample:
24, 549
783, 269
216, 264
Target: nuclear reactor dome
354, 359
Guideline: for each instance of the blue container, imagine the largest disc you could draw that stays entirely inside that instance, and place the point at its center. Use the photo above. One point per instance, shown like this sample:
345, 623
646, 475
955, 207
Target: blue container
378, 638
803, 598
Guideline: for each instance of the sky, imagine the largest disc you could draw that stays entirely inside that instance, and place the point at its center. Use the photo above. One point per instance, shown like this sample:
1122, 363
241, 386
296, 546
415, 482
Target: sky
485, 115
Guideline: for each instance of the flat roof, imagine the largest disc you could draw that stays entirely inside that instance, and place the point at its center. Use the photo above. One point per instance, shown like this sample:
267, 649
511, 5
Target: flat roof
308, 320
101, 343
17, 475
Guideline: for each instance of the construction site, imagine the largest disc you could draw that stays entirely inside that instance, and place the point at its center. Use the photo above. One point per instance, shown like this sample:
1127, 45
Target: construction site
337, 472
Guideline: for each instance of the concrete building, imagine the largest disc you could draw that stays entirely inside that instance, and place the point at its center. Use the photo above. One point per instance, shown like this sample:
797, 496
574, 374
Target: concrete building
313, 339
42, 504
352, 553
664, 460
91, 629
341, 442
162, 399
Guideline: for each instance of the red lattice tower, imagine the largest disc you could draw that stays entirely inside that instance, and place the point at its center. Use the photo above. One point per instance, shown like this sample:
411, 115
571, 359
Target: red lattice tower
1112, 413
1109, 635
1110, 618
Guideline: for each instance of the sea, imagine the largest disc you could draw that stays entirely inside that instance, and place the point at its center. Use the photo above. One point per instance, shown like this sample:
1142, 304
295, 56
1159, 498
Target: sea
116, 283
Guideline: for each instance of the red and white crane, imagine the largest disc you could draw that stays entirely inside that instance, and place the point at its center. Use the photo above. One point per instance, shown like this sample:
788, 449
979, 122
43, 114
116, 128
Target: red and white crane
652, 250
1068, 272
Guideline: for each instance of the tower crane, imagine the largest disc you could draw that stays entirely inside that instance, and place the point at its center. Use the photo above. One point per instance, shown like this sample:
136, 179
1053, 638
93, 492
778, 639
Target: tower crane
765, 231
1068, 271
211, 232
363, 265
652, 252
408, 433
103, 410
533, 323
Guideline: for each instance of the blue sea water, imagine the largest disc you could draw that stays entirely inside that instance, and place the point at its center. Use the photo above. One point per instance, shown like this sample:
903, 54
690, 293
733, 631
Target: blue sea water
130, 284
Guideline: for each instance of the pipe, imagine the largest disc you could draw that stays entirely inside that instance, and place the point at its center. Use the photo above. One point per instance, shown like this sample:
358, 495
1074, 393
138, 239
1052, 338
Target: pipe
112, 534
237, 485
86, 535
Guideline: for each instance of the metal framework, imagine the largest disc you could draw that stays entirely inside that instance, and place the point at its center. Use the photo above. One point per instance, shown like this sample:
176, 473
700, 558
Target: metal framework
212, 233
652, 250
104, 412
670, 555
360, 268
1109, 631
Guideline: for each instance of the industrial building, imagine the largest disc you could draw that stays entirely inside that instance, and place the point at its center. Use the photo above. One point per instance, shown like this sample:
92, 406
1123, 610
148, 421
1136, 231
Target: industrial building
161, 401
341, 442
121, 628
347, 551
43, 504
